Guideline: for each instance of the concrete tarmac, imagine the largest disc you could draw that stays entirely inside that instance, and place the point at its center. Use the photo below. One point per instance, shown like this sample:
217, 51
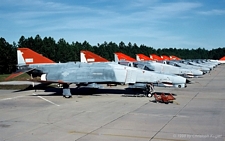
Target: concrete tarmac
198, 114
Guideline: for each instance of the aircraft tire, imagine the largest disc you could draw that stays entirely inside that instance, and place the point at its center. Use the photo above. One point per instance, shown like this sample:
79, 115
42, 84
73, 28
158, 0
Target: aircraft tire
67, 96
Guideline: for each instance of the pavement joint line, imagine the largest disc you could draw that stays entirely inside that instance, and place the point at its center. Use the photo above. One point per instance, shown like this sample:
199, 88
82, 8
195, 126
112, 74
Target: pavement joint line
45, 99
153, 137
214, 77
125, 136
92, 132
182, 108
28, 130
189, 101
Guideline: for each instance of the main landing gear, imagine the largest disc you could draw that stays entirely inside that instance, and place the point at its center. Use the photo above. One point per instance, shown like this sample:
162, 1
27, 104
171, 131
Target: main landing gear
66, 91
149, 89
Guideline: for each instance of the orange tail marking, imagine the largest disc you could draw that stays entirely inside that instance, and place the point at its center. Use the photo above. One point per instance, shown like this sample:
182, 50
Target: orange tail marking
92, 57
223, 58
124, 57
174, 57
155, 57
142, 57
32, 57
164, 57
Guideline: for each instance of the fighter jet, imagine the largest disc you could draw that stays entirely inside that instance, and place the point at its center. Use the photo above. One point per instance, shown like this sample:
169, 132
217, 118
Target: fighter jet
158, 67
190, 62
87, 56
168, 69
207, 62
89, 74
187, 66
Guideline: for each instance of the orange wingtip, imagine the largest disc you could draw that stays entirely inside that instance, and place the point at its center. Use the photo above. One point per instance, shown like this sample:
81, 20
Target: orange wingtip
32, 57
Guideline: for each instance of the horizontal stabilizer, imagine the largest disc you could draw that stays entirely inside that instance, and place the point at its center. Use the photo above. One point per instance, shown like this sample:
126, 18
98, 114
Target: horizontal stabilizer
17, 73
13, 75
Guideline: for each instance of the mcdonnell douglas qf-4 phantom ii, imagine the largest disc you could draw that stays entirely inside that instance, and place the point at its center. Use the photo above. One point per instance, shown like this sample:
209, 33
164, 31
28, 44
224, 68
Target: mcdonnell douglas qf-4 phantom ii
157, 67
144, 63
90, 57
88, 74
187, 66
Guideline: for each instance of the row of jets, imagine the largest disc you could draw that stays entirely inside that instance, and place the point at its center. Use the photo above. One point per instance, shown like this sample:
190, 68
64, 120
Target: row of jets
93, 70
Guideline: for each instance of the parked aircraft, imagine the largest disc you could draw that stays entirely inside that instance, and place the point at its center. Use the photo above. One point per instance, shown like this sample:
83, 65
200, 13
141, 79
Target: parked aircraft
207, 62
122, 58
187, 66
220, 61
168, 69
196, 64
201, 64
89, 74
160, 67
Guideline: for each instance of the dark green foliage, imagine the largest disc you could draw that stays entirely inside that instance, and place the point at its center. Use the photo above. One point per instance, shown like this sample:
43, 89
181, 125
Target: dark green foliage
7, 57
62, 51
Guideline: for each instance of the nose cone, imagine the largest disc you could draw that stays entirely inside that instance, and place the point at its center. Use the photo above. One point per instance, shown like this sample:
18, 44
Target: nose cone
197, 72
205, 70
177, 79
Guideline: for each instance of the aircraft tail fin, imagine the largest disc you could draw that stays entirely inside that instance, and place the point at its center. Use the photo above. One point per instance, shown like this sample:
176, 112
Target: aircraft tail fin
88, 57
222, 60
155, 57
164, 57
26, 56
118, 56
174, 58
142, 57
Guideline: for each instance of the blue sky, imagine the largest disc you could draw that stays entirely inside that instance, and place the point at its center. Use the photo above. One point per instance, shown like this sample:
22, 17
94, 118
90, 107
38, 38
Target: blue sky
156, 23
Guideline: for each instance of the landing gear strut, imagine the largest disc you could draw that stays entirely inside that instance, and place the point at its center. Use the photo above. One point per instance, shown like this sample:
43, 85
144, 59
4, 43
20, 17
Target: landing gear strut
66, 91
149, 89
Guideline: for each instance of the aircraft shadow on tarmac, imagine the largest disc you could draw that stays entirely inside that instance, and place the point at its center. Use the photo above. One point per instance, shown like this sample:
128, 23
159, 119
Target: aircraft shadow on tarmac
89, 91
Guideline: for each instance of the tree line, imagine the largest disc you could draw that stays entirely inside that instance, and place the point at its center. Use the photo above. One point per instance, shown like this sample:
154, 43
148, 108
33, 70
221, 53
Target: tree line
62, 51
